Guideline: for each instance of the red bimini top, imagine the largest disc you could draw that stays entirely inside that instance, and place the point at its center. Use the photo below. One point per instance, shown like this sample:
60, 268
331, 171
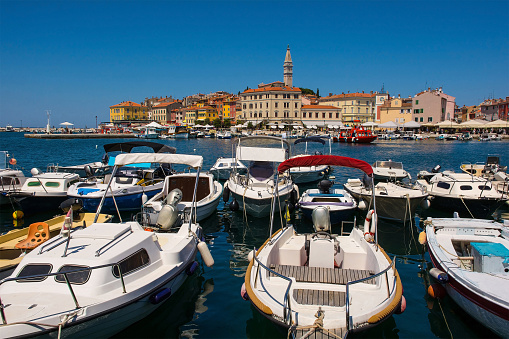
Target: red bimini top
331, 160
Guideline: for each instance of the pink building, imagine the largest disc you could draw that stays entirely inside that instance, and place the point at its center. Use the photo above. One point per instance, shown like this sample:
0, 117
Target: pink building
432, 106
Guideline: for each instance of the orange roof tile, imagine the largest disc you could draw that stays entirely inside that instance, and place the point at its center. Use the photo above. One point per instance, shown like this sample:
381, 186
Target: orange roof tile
127, 103
268, 89
350, 95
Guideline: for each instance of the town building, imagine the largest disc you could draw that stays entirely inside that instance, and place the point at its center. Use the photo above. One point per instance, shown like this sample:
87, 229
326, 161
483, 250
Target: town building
162, 113
320, 115
494, 109
354, 107
432, 106
398, 110
128, 110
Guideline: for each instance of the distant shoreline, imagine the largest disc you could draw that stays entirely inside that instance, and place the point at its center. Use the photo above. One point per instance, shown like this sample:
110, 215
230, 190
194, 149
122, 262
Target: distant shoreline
81, 136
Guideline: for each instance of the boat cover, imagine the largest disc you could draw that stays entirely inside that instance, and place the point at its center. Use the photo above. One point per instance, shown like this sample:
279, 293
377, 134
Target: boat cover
331, 160
134, 158
128, 146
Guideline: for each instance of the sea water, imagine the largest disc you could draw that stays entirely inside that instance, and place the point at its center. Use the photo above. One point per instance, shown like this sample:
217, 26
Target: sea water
209, 304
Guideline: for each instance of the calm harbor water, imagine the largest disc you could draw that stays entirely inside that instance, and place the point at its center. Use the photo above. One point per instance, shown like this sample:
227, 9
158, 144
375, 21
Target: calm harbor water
209, 303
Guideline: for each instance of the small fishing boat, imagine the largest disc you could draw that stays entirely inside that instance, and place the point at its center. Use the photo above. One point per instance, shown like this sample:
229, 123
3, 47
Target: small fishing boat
96, 281
324, 284
395, 201
224, 135
208, 195
305, 174
131, 187
390, 170
470, 259
339, 202
465, 193
224, 167
357, 135
16, 243
11, 178
254, 191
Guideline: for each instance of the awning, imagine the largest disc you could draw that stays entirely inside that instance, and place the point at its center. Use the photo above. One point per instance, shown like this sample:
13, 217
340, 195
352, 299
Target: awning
332, 160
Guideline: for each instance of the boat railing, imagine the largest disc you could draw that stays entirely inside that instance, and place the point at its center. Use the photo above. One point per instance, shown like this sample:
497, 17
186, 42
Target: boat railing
27, 278
287, 307
10, 183
349, 283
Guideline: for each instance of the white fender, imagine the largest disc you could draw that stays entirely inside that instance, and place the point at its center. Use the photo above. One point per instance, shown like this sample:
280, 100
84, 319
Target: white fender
205, 254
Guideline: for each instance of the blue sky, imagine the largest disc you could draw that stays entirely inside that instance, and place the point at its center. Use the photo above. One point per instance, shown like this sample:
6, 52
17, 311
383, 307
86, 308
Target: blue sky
77, 58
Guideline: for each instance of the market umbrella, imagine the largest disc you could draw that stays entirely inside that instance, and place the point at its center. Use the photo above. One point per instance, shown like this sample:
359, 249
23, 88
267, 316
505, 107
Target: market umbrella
472, 124
273, 126
154, 124
67, 124
370, 124
497, 123
411, 124
389, 124
447, 124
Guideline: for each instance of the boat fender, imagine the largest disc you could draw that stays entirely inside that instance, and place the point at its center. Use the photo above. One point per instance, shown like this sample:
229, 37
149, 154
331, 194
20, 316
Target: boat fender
251, 255
439, 275
205, 254
234, 205
191, 268
369, 226
159, 296
402, 306
294, 196
362, 205
436, 291
422, 238
13, 161
226, 194
243, 292
16, 215
144, 198
425, 203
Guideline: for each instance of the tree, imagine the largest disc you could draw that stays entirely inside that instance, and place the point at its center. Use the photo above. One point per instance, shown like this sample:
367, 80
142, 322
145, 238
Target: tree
250, 125
307, 91
227, 123
206, 121
318, 92
217, 123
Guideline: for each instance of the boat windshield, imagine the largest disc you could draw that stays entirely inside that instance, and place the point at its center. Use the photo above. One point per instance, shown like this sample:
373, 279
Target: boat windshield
389, 164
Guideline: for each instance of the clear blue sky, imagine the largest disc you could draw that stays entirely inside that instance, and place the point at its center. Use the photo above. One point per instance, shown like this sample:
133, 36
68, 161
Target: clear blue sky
77, 58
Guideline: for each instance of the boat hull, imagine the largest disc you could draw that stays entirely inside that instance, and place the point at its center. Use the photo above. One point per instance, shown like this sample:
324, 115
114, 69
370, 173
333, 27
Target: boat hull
357, 140
301, 175
480, 208
126, 202
392, 208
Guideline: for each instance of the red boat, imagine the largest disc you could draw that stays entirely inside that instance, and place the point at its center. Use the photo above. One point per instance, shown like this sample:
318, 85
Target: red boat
357, 135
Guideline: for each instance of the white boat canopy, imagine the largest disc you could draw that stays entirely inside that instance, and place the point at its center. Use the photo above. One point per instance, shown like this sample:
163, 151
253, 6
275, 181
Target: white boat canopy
136, 158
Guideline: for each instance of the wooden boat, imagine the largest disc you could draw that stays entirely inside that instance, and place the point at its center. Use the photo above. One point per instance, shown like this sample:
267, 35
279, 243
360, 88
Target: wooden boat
96, 281
324, 284
471, 256
10, 255
357, 135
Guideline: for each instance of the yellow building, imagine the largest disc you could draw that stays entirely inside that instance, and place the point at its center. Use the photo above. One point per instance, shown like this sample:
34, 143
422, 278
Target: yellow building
128, 110
354, 107
205, 112
398, 110
191, 114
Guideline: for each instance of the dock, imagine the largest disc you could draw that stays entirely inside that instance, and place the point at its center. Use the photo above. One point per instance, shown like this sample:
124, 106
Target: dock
80, 136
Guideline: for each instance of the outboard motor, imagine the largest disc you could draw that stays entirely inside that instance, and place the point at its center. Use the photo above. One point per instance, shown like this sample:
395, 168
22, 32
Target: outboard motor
75, 204
105, 159
436, 169
169, 213
324, 186
321, 219
89, 171
366, 181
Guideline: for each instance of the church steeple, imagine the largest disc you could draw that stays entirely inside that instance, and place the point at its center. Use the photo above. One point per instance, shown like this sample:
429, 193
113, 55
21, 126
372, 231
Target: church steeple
288, 66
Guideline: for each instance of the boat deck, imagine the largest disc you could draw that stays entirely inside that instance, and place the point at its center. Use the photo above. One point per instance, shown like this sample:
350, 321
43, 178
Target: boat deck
322, 275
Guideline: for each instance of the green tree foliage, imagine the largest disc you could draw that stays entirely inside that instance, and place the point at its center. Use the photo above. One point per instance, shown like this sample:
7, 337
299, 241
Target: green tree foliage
250, 125
217, 123
227, 123
307, 91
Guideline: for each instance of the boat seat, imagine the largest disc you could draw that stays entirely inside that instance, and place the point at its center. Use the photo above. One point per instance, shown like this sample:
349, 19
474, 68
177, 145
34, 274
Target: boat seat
37, 234
321, 253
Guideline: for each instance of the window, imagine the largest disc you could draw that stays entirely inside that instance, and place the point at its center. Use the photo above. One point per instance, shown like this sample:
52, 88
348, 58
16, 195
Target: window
296, 114
77, 278
465, 187
303, 114
330, 115
337, 115
296, 96
316, 115
275, 96
132, 263
275, 114
34, 183
484, 188
421, 119
443, 185
275, 104
296, 105
323, 115
417, 102
416, 119
34, 269
430, 119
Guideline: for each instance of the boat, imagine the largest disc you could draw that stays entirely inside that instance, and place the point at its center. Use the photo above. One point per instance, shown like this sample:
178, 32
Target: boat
96, 281
492, 170
208, 195
11, 178
17, 242
470, 260
324, 284
395, 201
307, 174
441, 137
462, 192
339, 202
223, 168
390, 170
253, 192
131, 185
357, 135
224, 135
484, 137
465, 137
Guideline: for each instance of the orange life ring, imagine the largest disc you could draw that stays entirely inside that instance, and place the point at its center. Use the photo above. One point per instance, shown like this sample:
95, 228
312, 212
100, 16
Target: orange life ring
13, 161
368, 234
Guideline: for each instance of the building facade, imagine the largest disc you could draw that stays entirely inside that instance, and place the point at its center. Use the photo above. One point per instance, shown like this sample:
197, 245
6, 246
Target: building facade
398, 110
162, 113
432, 106
320, 115
354, 107
128, 110
494, 109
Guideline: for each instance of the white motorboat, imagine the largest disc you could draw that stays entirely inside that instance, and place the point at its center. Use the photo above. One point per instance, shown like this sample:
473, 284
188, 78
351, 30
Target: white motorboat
208, 195
394, 201
11, 179
339, 202
131, 185
471, 258
253, 191
224, 167
95, 281
467, 194
305, 174
491, 170
324, 284
44, 191
390, 170
224, 135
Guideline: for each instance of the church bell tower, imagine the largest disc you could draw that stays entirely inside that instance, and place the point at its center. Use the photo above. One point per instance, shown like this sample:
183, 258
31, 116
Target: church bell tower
288, 66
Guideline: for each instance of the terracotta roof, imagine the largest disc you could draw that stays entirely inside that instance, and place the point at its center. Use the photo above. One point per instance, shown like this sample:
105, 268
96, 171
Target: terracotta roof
128, 103
268, 89
164, 104
350, 95
318, 107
